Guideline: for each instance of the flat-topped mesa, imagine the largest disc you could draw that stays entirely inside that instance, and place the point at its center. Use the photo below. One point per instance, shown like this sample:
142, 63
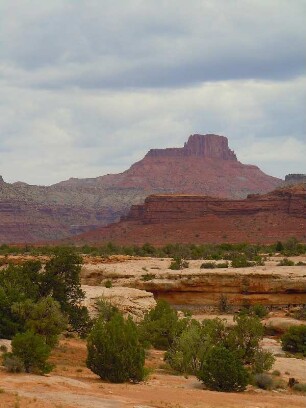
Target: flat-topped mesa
295, 178
206, 146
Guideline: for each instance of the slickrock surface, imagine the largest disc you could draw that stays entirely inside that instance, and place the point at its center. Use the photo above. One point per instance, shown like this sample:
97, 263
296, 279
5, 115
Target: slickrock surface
131, 302
164, 219
205, 165
200, 289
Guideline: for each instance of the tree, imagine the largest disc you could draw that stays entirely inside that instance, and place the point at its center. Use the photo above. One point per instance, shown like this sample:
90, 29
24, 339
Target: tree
195, 341
114, 350
222, 370
32, 350
17, 284
183, 355
294, 340
245, 336
161, 326
44, 318
62, 281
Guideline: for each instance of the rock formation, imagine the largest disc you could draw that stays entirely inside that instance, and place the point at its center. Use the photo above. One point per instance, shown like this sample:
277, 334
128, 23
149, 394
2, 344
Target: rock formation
201, 289
130, 301
295, 179
205, 165
164, 219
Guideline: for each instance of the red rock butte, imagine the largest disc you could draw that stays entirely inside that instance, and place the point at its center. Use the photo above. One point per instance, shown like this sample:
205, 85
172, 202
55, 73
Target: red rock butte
203, 166
209, 146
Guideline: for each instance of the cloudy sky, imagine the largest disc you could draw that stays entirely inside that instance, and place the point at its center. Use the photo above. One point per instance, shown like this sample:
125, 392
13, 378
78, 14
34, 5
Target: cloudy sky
88, 86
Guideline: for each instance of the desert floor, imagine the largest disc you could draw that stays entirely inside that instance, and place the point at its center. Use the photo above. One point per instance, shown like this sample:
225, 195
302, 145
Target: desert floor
72, 385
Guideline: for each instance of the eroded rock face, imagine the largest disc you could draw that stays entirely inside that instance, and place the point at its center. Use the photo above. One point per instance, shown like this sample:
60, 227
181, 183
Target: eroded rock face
201, 289
205, 165
164, 219
131, 302
208, 146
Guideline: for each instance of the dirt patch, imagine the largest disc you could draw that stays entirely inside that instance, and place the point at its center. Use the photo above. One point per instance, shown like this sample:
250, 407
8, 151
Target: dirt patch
72, 385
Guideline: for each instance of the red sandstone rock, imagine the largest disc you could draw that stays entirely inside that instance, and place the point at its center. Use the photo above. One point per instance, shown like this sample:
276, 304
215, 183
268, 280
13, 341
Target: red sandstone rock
166, 219
205, 165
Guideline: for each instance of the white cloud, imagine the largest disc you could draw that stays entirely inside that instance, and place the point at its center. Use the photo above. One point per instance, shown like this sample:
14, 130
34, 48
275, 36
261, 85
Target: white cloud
48, 136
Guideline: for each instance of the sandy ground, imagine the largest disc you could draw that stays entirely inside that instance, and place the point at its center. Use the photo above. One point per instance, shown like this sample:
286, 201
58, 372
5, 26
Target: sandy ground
160, 266
72, 385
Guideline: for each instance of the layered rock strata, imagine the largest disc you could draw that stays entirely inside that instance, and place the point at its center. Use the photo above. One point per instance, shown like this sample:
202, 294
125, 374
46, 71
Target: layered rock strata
200, 289
205, 165
164, 219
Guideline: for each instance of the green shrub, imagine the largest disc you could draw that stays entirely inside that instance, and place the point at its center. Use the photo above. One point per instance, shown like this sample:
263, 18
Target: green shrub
183, 355
12, 363
259, 310
108, 284
301, 387
178, 263
222, 265
114, 350
105, 309
294, 340
285, 262
293, 247
44, 318
245, 336
279, 246
301, 313
262, 361
32, 350
263, 381
222, 370
208, 265
241, 261
161, 326
3, 348
277, 373
148, 277
61, 279
194, 342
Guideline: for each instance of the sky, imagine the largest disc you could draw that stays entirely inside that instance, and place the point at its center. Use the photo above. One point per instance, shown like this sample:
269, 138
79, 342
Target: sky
87, 87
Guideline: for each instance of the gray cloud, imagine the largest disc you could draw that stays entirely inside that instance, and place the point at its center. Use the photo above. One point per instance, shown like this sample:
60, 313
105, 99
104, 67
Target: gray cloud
102, 44
87, 87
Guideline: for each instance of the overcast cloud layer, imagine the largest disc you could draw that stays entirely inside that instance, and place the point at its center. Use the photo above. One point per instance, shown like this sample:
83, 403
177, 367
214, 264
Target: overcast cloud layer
87, 87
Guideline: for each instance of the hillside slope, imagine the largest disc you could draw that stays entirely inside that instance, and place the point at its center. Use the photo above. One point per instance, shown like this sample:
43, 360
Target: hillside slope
205, 165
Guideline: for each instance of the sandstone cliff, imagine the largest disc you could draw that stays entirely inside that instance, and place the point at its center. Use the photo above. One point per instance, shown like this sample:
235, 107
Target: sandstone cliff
201, 289
205, 165
164, 219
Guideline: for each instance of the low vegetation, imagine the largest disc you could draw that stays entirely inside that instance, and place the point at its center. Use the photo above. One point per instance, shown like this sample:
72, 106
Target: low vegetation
294, 340
214, 252
36, 305
223, 357
114, 350
178, 263
40, 302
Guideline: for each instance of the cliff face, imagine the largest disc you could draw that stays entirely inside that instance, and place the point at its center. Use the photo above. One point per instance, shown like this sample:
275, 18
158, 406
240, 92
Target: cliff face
208, 146
295, 179
195, 219
205, 165
164, 208
201, 289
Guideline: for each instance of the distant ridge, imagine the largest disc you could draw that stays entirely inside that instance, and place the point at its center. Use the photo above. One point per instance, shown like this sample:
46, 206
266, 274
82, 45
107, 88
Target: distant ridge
164, 219
205, 165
